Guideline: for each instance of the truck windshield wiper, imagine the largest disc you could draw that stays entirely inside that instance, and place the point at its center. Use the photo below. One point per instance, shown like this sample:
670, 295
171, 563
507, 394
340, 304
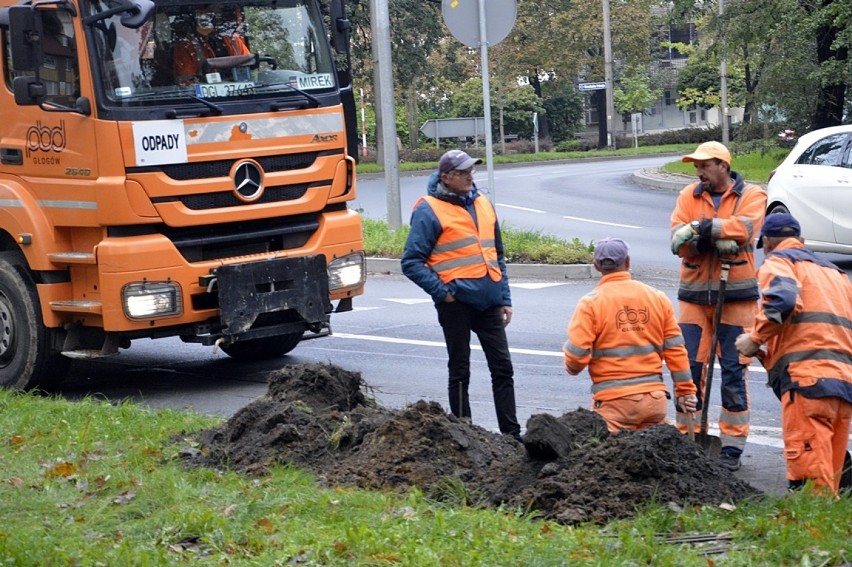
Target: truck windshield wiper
311, 100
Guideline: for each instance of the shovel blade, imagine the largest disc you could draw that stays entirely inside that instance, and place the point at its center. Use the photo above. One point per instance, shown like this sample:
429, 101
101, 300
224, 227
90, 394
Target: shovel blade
710, 444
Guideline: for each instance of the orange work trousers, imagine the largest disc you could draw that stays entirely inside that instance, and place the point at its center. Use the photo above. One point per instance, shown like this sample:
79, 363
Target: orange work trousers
633, 412
816, 433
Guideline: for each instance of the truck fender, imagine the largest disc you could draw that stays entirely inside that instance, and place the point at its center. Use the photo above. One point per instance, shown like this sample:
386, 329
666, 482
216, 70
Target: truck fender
25, 221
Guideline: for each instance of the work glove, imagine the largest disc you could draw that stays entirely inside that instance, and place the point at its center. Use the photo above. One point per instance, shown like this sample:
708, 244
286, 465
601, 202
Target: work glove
727, 247
745, 345
681, 236
687, 403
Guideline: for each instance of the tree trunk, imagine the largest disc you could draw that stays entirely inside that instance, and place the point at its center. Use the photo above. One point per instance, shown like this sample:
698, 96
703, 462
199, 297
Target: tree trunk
831, 98
411, 117
543, 126
600, 100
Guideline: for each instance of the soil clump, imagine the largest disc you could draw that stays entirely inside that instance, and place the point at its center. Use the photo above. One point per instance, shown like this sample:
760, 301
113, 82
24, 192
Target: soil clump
568, 469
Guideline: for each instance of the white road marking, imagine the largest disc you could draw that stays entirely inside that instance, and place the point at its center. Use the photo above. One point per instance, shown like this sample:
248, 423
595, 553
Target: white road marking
601, 222
418, 342
520, 208
534, 285
407, 301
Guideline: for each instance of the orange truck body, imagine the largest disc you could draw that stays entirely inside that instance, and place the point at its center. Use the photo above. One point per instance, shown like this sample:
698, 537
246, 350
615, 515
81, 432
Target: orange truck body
190, 210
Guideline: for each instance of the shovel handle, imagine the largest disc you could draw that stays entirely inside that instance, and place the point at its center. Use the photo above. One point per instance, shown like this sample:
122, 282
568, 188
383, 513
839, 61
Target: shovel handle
689, 430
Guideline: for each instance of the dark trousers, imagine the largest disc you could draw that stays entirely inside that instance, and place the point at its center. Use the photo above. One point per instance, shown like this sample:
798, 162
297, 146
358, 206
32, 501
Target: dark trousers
458, 319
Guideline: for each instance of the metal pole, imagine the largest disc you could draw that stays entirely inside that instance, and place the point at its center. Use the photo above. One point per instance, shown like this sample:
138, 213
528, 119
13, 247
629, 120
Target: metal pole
486, 101
382, 50
610, 98
724, 73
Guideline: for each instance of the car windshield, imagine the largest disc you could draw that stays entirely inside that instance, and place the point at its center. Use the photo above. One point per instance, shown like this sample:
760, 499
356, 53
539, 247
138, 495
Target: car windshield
214, 51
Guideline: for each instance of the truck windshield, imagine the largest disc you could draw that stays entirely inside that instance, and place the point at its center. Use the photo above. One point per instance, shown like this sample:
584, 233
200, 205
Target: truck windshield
215, 51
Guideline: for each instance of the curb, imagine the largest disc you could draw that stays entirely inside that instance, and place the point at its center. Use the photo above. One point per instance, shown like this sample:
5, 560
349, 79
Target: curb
655, 178
548, 272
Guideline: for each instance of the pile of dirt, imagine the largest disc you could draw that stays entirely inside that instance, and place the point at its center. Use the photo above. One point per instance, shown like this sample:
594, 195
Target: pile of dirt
569, 468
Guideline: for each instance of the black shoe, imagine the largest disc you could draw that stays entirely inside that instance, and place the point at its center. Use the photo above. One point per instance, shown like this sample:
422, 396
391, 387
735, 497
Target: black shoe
730, 462
517, 437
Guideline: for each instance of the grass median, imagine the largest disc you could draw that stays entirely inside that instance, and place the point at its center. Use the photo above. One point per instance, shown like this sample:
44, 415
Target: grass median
96, 483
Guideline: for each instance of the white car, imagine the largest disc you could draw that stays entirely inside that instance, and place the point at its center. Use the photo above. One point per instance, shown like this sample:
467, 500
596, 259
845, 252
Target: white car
814, 184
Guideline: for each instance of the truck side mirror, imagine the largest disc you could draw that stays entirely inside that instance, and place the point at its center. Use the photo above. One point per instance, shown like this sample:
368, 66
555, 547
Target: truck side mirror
340, 27
25, 31
28, 90
140, 12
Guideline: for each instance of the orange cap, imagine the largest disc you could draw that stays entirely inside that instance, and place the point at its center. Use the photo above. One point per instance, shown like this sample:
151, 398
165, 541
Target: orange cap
709, 150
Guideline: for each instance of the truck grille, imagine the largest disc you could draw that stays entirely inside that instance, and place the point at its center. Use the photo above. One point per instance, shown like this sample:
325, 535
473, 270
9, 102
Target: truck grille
222, 199
214, 242
222, 168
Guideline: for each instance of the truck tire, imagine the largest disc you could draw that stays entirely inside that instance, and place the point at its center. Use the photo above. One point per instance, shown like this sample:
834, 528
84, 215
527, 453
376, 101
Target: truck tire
267, 347
28, 355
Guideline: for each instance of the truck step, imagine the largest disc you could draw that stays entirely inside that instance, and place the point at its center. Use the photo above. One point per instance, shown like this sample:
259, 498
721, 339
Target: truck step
95, 307
72, 258
87, 353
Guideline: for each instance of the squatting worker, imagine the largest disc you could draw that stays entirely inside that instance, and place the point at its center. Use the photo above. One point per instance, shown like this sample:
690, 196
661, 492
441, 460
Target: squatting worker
805, 323
719, 216
455, 253
622, 331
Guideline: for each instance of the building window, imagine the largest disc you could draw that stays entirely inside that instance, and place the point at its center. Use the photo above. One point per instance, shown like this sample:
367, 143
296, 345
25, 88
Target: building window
667, 96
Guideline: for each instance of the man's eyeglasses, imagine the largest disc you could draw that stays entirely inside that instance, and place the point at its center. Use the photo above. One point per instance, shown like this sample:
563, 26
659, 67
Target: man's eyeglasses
464, 172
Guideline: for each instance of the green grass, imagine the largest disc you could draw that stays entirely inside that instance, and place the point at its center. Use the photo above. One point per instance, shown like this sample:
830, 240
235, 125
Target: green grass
521, 246
753, 166
91, 483
542, 156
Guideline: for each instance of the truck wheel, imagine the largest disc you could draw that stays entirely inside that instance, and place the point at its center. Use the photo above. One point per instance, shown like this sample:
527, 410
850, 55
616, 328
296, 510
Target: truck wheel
28, 357
267, 347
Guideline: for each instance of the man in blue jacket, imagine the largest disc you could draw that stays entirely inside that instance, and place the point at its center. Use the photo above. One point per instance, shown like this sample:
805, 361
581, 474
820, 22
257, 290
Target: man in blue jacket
455, 253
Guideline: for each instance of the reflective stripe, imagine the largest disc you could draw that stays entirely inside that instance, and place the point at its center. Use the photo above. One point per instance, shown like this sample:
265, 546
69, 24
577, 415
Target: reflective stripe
622, 382
488, 242
747, 222
454, 245
673, 342
739, 418
458, 262
624, 352
682, 376
574, 349
827, 318
815, 354
90, 205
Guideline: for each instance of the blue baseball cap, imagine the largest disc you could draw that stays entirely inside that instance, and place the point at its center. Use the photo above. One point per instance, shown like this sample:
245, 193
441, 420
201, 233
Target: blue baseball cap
611, 252
779, 225
456, 159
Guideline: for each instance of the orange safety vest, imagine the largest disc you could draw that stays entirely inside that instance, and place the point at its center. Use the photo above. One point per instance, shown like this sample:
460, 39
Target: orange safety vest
806, 323
623, 330
739, 217
464, 250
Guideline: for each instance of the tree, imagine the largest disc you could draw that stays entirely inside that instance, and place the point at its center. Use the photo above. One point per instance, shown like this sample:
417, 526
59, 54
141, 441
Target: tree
520, 104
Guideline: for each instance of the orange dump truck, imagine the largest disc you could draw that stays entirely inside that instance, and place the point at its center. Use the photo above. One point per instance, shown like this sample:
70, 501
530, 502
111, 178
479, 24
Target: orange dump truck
173, 168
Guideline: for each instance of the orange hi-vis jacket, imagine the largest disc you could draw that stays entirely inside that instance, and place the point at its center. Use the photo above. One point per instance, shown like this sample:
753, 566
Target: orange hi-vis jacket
464, 250
623, 330
739, 217
805, 321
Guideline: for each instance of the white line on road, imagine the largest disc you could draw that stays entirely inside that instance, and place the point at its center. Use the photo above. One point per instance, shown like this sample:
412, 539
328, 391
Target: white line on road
602, 222
520, 208
418, 342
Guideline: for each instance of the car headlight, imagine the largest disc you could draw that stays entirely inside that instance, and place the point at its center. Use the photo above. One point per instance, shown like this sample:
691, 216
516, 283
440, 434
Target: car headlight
143, 300
347, 271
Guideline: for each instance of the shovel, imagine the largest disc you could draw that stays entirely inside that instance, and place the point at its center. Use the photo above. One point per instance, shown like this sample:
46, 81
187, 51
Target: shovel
711, 444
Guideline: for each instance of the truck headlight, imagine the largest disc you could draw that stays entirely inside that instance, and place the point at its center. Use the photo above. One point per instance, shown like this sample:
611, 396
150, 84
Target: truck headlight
347, 271
144, 300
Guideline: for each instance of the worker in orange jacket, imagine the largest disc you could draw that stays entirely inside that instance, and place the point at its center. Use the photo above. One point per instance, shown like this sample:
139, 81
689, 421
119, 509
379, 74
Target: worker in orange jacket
805, 323
622, 331
718, 216
209, 37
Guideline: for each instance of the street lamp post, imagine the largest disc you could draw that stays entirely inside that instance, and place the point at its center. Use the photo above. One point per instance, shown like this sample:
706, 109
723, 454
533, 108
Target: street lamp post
610, 98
